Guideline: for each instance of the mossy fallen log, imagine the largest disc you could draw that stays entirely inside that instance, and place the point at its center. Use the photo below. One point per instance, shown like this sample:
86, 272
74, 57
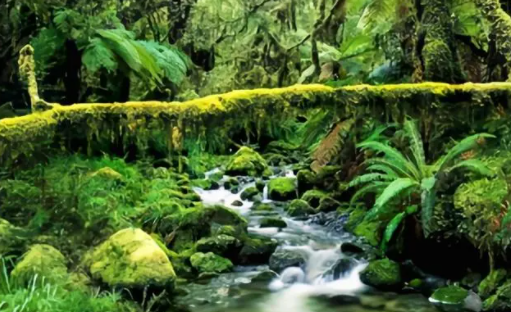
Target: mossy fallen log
22, 135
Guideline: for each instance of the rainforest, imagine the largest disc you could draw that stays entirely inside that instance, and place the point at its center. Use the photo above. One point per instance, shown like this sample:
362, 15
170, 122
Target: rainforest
255, 155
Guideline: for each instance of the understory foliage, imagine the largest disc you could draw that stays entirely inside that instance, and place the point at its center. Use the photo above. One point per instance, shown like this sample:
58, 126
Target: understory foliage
406, 181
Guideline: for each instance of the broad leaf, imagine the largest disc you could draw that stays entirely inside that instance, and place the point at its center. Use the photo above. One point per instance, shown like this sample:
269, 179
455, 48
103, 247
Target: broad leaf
393, 190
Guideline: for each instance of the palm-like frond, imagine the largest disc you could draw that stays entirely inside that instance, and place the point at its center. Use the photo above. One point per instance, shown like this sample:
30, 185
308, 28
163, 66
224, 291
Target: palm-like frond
393, 190
384, 169
378, 14
98, 55
171, 60
463, 146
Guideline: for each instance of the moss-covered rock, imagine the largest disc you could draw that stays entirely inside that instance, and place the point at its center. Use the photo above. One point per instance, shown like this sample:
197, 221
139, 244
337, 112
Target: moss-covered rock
282, 189
210, 263
273, 222
44, 261
283, 258
223, 245
371, 231
453, 295
231, 183
327, 204
249, 193
131, 258
313, 197
490, 283
12, 238
205, 184
257, 250
306, 180
260, 184
262, 207
247, 162
299, 208
384, 274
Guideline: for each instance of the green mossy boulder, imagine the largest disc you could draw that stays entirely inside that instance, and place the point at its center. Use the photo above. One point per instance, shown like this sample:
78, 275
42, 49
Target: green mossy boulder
383, 274
257, 250
231, 183
273, 222
132, 259
451, 295
371, 231
313, 197
282, 189
299, 208
327, 204
12, 238
260, 184
490, 283
44, 261
223, 245
247, 162
249, 193
210, 263
263, 207
306, 180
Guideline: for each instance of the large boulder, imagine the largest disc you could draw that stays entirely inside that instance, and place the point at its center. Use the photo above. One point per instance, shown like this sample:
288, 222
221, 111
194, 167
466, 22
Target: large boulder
383, 274
249, 193
132, 259
273, 222
45, 261
282, 188
306, 180
299, 208
313, 197
210, 263
247, 162
257, 250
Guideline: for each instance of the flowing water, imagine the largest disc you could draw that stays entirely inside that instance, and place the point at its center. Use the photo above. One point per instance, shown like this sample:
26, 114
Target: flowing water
315, 286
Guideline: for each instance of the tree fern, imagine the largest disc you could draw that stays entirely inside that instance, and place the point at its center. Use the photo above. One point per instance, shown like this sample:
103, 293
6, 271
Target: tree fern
378, 15
98, 55
172, 61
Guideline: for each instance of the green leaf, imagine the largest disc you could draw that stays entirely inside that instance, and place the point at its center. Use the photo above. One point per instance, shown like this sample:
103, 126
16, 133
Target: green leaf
428, 200
396, 157
369, 177
390, 229
474, 165
375, 187
416, 145
460, 148
378, 16
120, 41
393, 190
98, 55
172, 61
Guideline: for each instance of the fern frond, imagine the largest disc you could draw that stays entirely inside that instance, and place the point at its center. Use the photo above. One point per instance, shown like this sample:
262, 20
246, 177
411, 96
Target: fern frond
331, 145
391, 228
398, 170
120, 41
98, 55
398, 159
393, 190
385, 169
374, 187
416, 145
463, 146
315, 127
369, 177
376, 14
428, 200
173, 62
474, 165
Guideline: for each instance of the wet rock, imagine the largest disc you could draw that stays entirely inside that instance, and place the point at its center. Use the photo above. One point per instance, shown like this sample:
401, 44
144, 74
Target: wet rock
327, 204
383, 274
282, 189
257, 250
337, 300
407, 303
231, 183
351, 248
247, 162
237, 203
455, 298
341, 268
313, 197
306, 180
210, 263
299, 208
263, 207
273, 222
44, 261
471, 280
490, 283
282, 259
132, 259
249, 193
265, 276
223, 245
260, 185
